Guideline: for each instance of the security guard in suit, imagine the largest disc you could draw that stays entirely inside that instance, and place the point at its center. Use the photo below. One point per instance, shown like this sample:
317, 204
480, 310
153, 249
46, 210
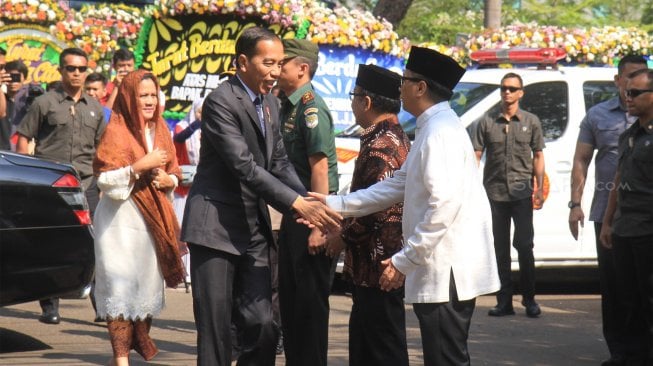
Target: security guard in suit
304, 268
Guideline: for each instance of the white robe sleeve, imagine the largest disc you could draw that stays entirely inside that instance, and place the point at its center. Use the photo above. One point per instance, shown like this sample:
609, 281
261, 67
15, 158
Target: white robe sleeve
375, 198
116, 184
170, 194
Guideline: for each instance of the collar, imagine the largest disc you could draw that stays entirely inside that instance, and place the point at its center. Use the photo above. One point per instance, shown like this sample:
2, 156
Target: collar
249, 91
519, 116
62, 95
648, 128
296, 96
614, 104
430, 112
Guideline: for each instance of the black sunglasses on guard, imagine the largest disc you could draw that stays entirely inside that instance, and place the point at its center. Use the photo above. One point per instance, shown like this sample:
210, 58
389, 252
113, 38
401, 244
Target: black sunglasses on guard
634, 93
511, 89
71, 68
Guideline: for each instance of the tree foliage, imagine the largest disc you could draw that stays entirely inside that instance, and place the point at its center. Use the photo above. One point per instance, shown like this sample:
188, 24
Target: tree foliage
440, 21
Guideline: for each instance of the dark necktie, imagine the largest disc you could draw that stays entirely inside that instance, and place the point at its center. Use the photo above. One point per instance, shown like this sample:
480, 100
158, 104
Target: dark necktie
259, 110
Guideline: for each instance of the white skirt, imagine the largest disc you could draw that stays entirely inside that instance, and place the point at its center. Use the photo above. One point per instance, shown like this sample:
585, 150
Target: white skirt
128, 279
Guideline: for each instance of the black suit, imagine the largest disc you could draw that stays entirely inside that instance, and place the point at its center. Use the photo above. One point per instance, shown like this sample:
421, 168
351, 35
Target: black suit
227, 225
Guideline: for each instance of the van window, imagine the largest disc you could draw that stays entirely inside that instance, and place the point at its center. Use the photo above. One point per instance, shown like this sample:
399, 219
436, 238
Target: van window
467, 95
596, 92
550, 102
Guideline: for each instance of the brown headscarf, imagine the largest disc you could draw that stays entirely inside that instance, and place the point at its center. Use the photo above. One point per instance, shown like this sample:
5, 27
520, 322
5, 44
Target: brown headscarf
122, 144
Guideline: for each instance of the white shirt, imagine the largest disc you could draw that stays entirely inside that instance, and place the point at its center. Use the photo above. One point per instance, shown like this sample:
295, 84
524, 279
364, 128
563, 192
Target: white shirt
447, 222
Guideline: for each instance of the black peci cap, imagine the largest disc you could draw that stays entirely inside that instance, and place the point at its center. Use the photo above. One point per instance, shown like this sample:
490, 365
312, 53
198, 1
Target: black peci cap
438, 67
379, 81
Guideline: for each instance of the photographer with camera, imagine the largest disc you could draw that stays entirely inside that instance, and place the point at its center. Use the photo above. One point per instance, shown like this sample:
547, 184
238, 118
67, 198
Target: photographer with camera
12, 76
123, 63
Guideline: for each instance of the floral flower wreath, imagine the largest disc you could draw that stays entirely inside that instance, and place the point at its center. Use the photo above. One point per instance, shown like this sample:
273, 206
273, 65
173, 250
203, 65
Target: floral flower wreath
101, 29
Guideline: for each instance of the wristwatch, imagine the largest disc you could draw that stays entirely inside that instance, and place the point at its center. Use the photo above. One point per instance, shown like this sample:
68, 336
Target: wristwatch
573, 204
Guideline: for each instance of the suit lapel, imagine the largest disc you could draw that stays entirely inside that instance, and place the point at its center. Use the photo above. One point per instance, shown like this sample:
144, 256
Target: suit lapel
249, 106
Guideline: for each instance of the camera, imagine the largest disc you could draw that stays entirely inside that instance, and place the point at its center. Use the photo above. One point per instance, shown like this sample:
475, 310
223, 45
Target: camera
15, 77
33, 91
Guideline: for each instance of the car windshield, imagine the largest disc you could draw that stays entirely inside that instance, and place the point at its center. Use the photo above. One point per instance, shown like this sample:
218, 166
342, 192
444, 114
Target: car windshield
465, 96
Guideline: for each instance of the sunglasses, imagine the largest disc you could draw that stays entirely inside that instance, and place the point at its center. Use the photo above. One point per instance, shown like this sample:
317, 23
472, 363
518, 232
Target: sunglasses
71, 68
634, 93
511, 89
2, 67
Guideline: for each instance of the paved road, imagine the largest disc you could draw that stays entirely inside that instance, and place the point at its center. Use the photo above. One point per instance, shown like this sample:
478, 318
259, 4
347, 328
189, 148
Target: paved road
568, 333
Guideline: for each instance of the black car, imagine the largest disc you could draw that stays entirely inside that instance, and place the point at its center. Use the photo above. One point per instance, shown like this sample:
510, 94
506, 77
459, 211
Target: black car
46, 237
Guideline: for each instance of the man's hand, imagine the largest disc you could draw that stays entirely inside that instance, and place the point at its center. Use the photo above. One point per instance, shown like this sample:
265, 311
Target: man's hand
318, 196
5, 78
316, 242
391, 278
538, 199
606, 235
335, 244
315, 214
576, 216
119, 76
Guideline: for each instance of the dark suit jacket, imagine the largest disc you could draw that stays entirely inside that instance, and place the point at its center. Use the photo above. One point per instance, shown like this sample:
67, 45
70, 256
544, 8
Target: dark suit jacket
239, 171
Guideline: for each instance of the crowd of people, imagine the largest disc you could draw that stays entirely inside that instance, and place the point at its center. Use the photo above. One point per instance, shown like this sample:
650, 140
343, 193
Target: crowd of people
419, 226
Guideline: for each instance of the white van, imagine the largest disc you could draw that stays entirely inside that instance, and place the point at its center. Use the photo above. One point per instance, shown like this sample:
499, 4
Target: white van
560, 98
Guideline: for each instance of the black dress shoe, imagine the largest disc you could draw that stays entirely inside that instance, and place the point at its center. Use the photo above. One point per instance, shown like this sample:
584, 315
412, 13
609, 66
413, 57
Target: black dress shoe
532, 309
49, 318
501, 311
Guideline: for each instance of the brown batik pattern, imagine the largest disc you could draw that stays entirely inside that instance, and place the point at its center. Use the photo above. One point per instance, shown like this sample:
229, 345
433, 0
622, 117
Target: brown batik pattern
127, 334
373, 238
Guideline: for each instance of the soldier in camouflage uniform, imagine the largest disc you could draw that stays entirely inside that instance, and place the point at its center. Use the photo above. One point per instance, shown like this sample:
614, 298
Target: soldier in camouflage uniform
304, 268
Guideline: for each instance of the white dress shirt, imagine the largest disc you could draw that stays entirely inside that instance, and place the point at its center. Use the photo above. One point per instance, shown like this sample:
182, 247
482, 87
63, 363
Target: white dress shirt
447, 223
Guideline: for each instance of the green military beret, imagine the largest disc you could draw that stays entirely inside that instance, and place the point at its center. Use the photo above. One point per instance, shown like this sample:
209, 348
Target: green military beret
300, 47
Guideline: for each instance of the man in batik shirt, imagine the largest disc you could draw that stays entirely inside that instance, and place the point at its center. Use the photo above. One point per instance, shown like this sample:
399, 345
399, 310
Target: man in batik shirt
377, 329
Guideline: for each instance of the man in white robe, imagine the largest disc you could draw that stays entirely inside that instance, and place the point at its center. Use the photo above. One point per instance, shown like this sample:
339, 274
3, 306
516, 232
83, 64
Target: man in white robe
448, 256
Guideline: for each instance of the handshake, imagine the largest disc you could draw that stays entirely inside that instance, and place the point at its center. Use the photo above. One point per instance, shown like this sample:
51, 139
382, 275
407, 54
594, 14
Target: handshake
313, 212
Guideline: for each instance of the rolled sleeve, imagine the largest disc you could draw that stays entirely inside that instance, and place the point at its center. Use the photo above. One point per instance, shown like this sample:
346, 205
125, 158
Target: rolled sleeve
537, 139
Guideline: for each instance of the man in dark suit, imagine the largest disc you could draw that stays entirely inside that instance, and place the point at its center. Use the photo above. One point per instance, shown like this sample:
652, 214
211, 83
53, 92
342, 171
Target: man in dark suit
243, 165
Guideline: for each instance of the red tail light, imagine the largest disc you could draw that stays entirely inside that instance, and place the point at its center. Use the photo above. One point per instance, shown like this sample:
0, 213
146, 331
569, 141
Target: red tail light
67, 180
84, 216
74, 197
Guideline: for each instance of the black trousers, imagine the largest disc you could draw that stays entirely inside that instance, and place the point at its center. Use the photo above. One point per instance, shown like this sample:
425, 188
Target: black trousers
611, 315
304, 287
445, 329
521, 213
377, 328
274, 273
228, 288
634, 261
